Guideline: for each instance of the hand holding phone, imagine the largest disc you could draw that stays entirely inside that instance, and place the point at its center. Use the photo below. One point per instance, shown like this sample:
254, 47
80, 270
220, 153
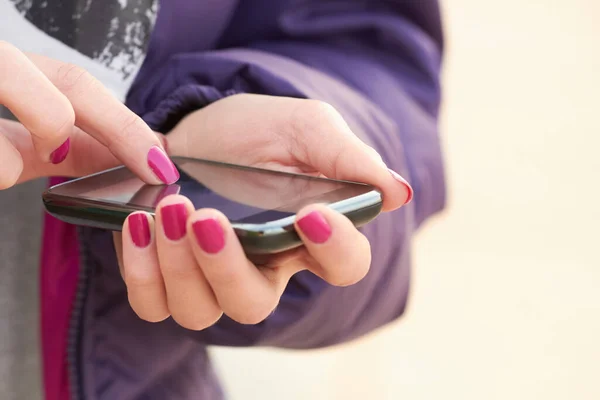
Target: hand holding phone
218, 216
189, 262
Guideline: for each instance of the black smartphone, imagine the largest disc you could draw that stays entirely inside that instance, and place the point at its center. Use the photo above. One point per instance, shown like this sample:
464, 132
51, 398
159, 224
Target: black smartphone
261, 204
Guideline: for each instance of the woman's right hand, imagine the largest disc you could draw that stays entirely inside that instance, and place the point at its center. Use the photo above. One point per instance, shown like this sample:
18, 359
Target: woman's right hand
70, 125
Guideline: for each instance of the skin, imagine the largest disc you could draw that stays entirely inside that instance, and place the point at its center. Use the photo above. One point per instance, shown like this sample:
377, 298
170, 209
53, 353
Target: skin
179, 279
54, 102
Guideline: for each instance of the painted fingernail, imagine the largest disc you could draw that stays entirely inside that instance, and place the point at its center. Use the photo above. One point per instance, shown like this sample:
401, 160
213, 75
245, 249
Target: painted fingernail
209, 235
61, 153
162, 166
315, 227
139, 229
403, 181
174, 217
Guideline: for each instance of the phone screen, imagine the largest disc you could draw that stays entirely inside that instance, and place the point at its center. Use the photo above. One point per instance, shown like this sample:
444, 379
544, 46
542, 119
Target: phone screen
244, 195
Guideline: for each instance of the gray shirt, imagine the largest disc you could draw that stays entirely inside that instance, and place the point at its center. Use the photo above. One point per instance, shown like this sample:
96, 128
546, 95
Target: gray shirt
20, 233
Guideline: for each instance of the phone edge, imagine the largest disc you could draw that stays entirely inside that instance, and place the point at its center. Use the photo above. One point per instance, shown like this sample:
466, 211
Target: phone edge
261, 239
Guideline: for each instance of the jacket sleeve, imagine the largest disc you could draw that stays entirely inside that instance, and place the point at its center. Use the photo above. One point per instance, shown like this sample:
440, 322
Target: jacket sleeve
379, 66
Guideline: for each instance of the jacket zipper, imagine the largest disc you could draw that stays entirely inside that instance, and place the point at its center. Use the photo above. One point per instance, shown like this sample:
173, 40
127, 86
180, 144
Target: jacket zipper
74, 339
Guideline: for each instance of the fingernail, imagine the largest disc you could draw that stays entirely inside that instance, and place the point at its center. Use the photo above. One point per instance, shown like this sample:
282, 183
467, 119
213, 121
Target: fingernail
174, 218
162, 166
315, 227
61, 153
209, 235
139, 229
403, 181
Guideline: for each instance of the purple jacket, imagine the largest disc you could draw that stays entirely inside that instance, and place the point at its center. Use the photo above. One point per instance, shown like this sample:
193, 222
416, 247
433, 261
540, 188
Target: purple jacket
377, 62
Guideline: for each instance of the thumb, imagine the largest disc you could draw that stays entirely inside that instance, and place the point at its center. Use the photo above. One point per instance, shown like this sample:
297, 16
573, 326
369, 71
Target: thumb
324, 141
85, 155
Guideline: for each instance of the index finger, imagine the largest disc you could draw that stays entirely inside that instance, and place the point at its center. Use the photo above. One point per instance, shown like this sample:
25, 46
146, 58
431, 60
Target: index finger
37, 104
110, 122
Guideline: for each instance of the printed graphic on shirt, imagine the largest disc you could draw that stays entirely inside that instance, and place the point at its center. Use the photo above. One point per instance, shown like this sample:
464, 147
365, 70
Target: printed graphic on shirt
110, 37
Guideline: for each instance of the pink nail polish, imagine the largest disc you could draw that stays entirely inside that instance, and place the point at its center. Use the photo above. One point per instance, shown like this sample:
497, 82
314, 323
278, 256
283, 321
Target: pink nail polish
162, 166
139, 229
61, 152
174, 218
403, 181
209, 235
315, 227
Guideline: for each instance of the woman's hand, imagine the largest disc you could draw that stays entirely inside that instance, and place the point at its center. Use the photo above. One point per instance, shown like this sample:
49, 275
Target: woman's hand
189, 264
70, 125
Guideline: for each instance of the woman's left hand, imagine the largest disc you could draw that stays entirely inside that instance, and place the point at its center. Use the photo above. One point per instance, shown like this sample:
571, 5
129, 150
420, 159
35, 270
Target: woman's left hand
189, 264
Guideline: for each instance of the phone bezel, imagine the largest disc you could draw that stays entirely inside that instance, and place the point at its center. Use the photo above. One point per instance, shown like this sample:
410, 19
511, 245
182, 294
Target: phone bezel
256, 238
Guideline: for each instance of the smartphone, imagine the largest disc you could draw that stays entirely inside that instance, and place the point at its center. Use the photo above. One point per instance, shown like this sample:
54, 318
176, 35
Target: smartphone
260, 203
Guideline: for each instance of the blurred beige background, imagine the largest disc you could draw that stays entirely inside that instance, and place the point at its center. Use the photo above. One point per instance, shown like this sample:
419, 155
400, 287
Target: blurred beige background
506, 296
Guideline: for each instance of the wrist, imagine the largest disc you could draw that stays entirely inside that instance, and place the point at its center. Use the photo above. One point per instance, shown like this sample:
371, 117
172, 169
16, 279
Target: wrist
181, 102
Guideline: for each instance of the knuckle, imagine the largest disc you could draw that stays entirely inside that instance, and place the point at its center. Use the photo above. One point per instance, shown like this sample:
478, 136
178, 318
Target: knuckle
199, 320
8, 180
63, 124
127, 135
315, 121
179, 272
307, 122
71, 76
352, 273
9, 175
253, 314
374, 154
152, 317
318, 109
59, 125
131, 127
313, 112
135, 280
226, 277
348, 278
